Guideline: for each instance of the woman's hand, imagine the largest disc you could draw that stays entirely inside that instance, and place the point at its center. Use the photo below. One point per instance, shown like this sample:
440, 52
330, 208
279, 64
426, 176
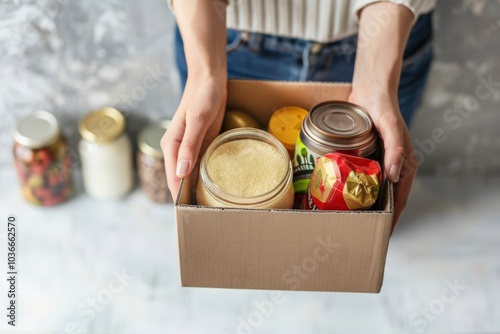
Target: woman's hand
198, 118
384, 28
399, 160
195, 125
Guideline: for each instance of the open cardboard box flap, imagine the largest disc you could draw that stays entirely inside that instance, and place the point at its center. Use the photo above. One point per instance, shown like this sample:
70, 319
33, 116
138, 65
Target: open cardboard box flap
282, 249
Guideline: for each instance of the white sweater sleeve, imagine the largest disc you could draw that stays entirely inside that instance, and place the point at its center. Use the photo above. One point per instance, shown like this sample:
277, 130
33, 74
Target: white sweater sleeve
417, 7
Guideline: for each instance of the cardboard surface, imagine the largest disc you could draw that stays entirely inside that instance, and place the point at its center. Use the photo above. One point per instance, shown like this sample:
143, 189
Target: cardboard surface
282, 249
261, 98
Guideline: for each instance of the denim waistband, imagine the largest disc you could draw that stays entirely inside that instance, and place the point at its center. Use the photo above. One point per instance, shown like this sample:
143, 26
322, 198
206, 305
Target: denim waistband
420, 34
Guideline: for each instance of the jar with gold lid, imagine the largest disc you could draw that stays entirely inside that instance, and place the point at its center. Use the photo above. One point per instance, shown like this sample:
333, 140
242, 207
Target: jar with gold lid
42, 159
106, 154
150, 163
246, 168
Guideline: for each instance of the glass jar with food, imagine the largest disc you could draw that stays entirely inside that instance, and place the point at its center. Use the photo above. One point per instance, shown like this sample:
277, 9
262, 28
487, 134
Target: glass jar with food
106, 154
150, 163
246, 168
42, 159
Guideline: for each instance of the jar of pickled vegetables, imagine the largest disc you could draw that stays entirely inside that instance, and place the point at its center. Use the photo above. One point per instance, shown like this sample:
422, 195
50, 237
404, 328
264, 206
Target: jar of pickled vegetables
42, 159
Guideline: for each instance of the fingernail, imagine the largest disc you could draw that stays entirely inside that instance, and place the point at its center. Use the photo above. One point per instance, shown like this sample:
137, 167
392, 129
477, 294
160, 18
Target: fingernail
394, 173
182, 167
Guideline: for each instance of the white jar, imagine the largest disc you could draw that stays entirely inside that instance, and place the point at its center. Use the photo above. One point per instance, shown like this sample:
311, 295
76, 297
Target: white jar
106, 154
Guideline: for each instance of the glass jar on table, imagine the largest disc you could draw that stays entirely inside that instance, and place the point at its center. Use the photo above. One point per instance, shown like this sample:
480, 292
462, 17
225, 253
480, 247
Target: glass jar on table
106, 154
42, 159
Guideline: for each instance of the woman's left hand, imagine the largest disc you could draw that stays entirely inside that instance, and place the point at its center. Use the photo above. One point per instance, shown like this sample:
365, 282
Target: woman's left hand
400, 162
379, 59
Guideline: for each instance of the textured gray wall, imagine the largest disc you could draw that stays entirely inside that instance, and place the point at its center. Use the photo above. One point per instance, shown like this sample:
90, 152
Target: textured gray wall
69, 56
459, 102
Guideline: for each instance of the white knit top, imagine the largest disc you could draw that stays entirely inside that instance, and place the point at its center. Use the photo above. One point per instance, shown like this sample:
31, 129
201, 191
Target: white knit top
315, 20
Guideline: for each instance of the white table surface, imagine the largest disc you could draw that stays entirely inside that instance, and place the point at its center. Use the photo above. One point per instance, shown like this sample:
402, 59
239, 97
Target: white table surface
70, 254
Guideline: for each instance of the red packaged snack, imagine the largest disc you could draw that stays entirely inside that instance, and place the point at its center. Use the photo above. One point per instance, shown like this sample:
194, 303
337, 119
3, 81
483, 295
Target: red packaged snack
343, 182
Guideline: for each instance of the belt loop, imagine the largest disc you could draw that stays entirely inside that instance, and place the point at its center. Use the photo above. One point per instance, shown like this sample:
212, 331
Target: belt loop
304, 71
245, 35
316, 47
255, 42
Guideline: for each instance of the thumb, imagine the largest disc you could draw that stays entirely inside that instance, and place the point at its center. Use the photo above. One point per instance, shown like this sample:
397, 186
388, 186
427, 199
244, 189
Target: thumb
392, 133
190, 147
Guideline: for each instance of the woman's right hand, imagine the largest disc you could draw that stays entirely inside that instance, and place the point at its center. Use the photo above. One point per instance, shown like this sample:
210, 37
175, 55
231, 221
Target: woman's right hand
198, 118
195, 125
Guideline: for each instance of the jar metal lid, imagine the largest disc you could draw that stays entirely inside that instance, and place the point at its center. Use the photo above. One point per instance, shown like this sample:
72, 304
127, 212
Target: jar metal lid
102, 125
339, 125
37, 130
149, 138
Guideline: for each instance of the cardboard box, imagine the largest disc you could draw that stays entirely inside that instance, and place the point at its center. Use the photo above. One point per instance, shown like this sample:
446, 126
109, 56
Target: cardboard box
282, 249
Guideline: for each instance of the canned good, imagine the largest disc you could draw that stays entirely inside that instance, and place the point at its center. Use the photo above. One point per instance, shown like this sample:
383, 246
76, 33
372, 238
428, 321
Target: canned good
42, 159
150, 163
285, 124
332, 126
234, 119
343, 182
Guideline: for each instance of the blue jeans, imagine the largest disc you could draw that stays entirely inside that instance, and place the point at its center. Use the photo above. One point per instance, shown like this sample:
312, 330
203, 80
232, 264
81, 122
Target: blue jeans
267, 57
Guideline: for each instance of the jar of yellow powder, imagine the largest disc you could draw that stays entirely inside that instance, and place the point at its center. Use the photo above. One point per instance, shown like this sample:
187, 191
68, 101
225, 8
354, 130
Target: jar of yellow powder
246, 168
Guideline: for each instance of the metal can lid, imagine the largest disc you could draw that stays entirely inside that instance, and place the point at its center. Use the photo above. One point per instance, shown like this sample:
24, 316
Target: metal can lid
340, 125
150, 136
102, 125
285, 124
37, 130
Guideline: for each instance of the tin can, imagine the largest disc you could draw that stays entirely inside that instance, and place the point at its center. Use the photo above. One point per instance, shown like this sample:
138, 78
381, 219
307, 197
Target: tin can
332, 126
42, 159
343, 182
285, 124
